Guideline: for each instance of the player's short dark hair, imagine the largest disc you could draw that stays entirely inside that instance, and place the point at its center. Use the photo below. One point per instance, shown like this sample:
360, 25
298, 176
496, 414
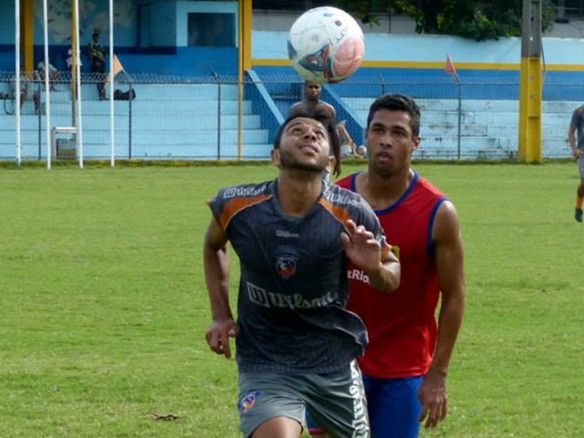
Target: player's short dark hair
308, 82
397, 102
330, 126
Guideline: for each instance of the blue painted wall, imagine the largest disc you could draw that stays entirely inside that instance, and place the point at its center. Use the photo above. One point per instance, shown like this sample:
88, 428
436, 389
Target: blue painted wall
162, 25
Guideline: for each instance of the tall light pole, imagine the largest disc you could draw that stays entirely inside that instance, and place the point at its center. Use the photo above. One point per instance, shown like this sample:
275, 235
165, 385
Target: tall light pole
530, 95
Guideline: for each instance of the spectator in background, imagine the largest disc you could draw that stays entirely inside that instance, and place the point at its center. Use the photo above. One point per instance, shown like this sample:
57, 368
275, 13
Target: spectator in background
26, 91
349, 148
311, 103
69, 59
97, 61
577, 145
53, 74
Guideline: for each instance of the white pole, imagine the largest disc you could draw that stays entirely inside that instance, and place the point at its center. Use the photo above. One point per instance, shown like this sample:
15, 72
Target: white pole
47, 86
17, 78
111, 83
79, 133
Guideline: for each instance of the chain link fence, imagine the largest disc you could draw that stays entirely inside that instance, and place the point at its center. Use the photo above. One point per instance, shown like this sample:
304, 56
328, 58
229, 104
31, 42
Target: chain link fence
159, 117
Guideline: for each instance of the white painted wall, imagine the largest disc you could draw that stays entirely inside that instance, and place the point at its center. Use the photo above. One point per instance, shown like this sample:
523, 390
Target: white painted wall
433, 48
267, 20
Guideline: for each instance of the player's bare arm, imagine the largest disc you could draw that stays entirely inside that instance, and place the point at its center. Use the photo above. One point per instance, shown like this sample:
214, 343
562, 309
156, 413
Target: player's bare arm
572, 141
448, 256
217, 278
380, 264
332, 111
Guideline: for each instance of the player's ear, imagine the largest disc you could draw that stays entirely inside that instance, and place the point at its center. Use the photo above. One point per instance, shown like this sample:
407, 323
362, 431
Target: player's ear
331, 164
276, 157
416, 142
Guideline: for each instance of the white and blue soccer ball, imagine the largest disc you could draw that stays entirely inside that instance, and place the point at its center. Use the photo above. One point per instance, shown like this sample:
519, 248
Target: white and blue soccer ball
326, 44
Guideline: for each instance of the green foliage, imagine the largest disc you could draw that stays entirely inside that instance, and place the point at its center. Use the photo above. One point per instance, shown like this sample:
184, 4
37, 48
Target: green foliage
479, 20
104, 307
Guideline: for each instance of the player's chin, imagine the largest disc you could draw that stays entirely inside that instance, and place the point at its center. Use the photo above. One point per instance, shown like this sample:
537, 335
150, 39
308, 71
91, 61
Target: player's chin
308, 164
383, 166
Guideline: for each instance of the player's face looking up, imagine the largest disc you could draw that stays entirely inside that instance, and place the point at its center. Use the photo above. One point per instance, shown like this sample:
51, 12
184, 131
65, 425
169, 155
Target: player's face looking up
304, 145
390, 142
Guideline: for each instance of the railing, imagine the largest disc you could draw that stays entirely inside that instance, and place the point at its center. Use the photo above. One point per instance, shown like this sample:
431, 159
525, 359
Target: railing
203, 118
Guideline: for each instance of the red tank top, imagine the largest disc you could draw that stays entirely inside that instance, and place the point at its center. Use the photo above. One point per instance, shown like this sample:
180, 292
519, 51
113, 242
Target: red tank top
402, 325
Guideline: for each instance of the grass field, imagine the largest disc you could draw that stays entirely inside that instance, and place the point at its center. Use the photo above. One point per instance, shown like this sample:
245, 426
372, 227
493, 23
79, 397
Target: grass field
103, 306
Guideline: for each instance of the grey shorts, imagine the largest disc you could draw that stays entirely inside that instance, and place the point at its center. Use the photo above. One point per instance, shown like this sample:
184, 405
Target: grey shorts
581, 166
336, 401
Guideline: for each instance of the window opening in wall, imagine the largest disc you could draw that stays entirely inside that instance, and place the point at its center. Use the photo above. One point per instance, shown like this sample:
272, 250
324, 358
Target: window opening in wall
211, 29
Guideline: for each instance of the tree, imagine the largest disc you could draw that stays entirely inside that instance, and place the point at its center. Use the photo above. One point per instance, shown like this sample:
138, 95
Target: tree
476, 19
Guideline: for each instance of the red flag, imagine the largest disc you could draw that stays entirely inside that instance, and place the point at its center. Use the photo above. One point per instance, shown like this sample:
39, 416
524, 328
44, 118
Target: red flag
450, 68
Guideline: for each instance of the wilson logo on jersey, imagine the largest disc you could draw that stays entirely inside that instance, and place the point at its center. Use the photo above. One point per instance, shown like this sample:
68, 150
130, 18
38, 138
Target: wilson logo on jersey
286, 266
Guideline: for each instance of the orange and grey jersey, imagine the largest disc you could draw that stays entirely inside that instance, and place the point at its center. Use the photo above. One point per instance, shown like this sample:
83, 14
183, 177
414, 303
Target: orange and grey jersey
293, 288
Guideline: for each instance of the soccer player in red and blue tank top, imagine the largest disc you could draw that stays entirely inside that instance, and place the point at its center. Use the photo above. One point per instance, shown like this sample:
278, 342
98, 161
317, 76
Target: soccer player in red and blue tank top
405, 365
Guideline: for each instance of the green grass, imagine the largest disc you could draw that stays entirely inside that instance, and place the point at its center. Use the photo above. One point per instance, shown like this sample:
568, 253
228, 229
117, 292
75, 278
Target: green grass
103, 305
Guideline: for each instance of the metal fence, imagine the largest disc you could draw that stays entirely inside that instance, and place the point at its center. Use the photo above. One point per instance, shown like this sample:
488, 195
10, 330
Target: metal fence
204, 118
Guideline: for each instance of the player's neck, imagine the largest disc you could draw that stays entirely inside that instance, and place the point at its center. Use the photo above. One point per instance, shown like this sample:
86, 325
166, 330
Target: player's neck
298, 192
382, 190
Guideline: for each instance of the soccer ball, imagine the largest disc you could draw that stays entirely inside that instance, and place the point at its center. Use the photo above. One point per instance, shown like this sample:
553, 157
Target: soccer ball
325, 44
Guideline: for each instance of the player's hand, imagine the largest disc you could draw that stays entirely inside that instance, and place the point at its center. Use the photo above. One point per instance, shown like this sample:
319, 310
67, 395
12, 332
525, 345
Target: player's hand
578, 153
361, 246
218, 335
434, 400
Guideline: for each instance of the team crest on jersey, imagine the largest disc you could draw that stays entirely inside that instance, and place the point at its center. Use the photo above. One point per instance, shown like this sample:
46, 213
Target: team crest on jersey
247, 402
286, 265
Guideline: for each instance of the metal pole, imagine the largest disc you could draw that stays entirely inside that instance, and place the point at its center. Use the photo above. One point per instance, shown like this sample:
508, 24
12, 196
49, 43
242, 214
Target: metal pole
74, 60
47, 89
382, 84
530, 143
459, 116
39, 130
17, 79
130, 125
111, 76
77, 67
218, 118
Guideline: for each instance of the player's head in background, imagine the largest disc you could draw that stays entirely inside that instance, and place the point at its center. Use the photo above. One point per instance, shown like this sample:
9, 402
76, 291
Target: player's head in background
315, 118
397, 102
392, 135
312, 91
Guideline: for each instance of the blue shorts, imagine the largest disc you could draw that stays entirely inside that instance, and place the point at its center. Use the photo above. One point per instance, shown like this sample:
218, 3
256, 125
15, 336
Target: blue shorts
394, 407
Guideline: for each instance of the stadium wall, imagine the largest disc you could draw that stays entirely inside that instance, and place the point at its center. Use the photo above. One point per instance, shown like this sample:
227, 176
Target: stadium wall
150, 36
420, 60
153, 37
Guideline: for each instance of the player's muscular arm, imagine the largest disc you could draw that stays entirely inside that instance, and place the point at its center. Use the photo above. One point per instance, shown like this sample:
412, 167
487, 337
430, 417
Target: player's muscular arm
217, 279
448, 257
